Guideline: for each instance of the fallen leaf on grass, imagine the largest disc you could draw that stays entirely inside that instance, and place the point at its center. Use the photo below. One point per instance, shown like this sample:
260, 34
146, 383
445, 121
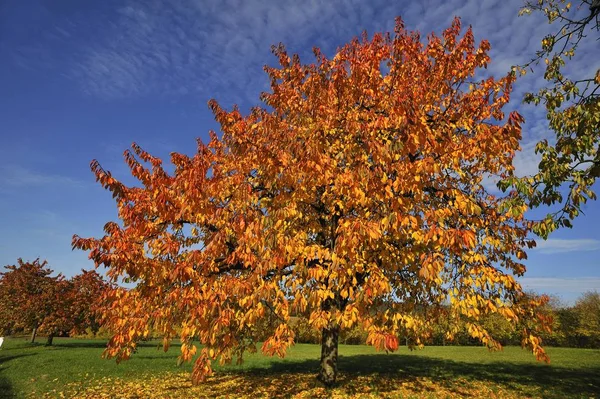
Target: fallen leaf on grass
297, 386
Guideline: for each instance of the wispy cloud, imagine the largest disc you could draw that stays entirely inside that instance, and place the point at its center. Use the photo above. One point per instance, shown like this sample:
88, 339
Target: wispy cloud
15, 176
556, 245
561, 285
218, 49
162, 47
177, 48
203, 49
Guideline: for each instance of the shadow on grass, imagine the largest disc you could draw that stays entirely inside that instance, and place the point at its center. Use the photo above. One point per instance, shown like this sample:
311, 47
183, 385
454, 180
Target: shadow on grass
457, 377
16, 345
6, 389
4, 359
82, 344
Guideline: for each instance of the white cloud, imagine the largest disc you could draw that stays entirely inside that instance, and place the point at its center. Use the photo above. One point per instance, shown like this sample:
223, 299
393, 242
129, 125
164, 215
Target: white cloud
218, 49
206, 49
561, 285
17, 176
162, 47
176, 48
556, 245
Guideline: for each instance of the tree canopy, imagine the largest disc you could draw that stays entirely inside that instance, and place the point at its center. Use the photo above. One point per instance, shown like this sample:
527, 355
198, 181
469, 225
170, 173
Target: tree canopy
570, 161
28, 294
31, 299
354, 195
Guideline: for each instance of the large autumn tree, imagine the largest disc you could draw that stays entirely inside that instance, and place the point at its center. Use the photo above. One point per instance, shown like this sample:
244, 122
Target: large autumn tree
355, 195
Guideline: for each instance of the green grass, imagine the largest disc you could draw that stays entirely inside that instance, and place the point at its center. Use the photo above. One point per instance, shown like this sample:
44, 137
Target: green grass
26, 369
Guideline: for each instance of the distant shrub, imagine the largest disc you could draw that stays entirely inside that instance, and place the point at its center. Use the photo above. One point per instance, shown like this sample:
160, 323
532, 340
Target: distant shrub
305, 333
354, 336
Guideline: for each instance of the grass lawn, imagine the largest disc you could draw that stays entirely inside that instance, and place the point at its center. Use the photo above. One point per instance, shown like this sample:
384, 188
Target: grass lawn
74, 368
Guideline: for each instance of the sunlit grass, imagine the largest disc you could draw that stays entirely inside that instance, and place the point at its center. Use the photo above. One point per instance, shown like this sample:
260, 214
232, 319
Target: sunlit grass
74, 367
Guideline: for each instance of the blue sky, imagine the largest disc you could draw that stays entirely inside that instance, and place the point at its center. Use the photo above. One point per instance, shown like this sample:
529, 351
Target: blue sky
82, 80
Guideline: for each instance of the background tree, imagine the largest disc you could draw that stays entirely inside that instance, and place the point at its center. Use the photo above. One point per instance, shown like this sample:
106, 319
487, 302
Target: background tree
87, 291
75, 305
587, 310
6, 321
354, 197
570, 164
553, 336
28, 294
35, 301
58, 317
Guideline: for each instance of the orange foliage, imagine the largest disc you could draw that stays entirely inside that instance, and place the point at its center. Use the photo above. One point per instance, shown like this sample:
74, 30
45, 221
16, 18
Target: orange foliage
28, 295
31, 298
86, 292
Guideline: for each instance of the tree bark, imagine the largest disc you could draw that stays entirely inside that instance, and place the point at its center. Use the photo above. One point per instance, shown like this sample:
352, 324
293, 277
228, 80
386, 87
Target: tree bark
50, 339
329, 355
33, 334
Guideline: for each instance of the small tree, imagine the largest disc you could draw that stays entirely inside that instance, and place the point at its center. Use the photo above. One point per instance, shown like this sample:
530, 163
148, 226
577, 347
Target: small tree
59, 317
6, 321
32, 299
87, 291
354, 197
587, 310
28, 295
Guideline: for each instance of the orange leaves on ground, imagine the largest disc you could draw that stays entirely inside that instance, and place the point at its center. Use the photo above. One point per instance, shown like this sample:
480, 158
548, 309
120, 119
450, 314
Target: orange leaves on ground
287, 385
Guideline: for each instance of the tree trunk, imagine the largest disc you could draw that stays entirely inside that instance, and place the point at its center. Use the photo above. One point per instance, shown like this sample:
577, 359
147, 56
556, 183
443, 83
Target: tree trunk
33, 334
329, 355
50, 339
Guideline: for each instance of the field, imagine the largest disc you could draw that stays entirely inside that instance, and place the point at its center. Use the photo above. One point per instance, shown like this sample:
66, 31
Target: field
73, 368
